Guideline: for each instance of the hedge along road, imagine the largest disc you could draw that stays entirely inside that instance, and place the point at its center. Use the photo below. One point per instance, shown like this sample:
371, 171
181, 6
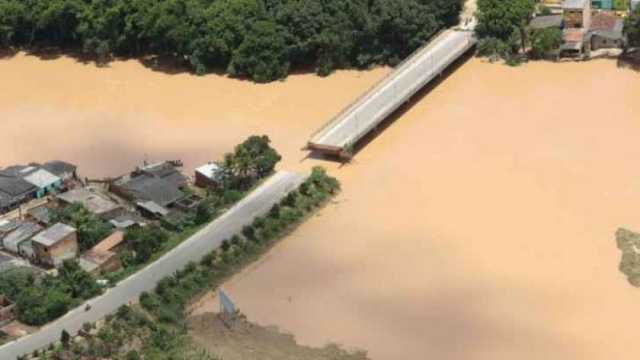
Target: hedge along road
257, 203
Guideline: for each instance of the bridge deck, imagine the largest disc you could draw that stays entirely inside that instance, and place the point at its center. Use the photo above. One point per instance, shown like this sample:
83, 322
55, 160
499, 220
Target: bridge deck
355, 121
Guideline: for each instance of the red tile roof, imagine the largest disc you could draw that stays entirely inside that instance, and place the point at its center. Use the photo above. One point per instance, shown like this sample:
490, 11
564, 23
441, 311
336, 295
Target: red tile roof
604, 21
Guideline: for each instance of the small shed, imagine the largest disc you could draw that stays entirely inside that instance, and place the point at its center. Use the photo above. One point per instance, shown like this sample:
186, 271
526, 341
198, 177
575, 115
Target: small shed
209, 176
44, 181
56, 244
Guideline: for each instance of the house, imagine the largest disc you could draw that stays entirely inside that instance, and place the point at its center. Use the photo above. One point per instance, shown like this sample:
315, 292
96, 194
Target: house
153, 188
576, 14
7, 226
606, 31
33, 174
14, 192
56, 244
61, 169
103, 257
40, 215
208, 176
93, 201
25, 231
44, 181
576, 19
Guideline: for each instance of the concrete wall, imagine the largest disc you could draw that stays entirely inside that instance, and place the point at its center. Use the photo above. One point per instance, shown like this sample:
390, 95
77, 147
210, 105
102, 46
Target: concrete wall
55, 254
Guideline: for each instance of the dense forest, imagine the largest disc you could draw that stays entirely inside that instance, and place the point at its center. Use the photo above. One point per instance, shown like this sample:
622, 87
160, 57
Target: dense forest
259, 39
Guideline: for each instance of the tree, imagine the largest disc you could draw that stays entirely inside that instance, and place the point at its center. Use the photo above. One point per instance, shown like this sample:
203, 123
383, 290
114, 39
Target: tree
79, 283
545, 41
91, 229
253, 159
504, 21
145, 241
632, 28
65, 338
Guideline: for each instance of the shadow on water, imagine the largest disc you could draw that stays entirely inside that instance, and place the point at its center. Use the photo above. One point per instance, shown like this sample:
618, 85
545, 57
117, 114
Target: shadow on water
397, 114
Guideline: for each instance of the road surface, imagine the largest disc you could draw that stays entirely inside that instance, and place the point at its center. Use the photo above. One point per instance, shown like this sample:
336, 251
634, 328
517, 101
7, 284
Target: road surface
257, 203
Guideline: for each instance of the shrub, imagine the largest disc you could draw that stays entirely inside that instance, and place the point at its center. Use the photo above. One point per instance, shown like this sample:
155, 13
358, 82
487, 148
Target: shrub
545, 41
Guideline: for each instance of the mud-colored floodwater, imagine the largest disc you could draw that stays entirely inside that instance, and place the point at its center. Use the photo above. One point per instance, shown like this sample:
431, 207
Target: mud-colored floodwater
479, 225
110, 119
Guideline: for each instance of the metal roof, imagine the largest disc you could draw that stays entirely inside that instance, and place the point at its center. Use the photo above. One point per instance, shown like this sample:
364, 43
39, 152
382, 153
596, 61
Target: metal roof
24, 232
42, 178
211, 171
15, 186
53, 234
158, 190
59, 168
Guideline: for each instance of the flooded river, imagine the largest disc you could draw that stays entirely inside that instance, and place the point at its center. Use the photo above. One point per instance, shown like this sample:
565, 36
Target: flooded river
478, 225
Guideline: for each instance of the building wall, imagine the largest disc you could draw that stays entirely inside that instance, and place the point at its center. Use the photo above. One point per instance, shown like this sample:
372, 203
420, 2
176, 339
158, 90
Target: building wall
205, 182
602, 4
578, 18
41, 192
599, 42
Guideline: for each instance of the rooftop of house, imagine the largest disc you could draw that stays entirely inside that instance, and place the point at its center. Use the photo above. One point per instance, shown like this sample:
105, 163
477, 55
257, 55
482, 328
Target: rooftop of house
91, 260
41, 213
15, 186
54, 234
167, 171
59, 167
25, 231
159, 182
41, 178
158, 190
90, 199
607, 24
575, 4
210, 170
109, 242
7, 226
543, 22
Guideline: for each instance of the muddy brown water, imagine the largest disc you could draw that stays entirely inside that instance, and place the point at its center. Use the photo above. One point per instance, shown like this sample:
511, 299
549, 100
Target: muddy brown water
479, 225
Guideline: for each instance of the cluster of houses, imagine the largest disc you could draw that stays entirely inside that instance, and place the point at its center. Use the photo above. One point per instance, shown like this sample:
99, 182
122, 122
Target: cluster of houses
152, 193
587, 25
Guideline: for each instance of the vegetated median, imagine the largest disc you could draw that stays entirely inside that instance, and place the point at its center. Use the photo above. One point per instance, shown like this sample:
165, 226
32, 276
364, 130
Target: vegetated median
158, 329
259, 39
40, 300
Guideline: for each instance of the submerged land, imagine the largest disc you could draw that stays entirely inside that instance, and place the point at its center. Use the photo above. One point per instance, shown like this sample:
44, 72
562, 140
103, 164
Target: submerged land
479, 225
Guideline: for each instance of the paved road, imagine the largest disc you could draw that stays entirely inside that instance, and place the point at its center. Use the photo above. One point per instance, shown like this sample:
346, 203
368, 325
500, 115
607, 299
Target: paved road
258, 203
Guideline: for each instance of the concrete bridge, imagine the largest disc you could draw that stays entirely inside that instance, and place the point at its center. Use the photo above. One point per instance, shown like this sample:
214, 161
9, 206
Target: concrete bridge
339, 136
